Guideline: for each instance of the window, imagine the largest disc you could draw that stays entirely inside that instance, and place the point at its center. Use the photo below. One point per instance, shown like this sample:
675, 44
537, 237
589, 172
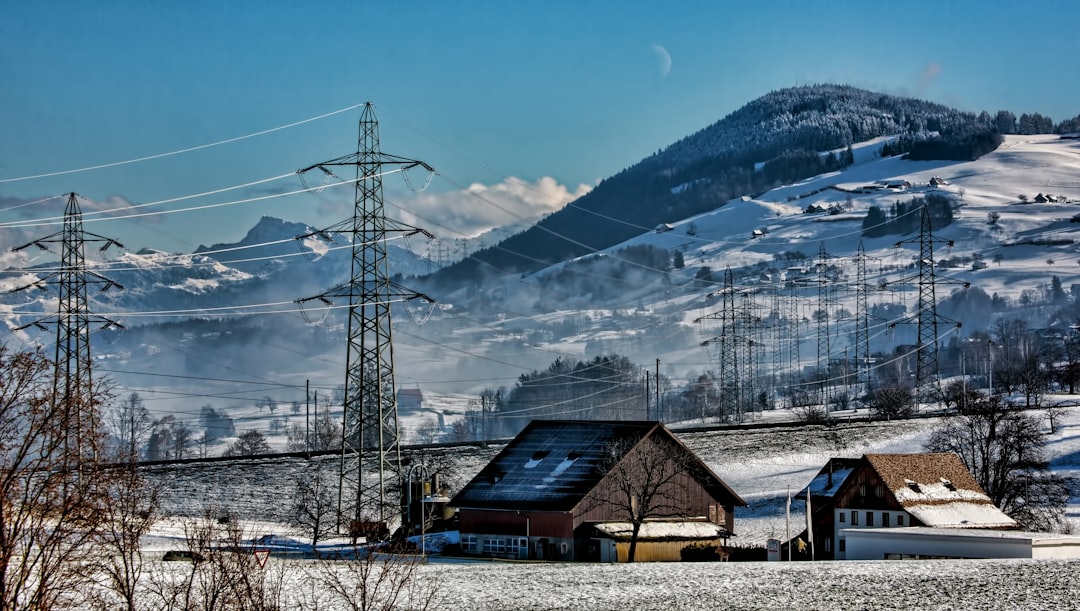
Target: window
494, 546
884, 518
468, 543
854, 518
878, 490
828, 544
862, 489
843, 546
900, 519
869, 518
843, 517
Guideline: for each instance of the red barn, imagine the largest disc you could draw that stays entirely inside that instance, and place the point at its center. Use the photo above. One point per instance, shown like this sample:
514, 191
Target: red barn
553, 492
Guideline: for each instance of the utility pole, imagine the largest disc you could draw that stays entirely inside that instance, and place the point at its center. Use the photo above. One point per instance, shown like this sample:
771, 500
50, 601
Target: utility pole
370, 422
659, 413
72, 380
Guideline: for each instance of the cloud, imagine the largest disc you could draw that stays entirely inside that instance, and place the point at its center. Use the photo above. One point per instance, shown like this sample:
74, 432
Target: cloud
480, 207
929, 75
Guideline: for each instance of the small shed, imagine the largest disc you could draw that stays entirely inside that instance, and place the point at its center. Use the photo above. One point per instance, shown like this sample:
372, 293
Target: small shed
658, 540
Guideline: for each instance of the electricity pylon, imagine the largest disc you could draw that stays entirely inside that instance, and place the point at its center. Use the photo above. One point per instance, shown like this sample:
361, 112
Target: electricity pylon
862, 320
823, 346
370, 420
72, 380
927, 317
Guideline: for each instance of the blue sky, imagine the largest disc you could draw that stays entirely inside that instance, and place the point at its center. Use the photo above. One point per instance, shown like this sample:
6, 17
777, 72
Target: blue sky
555, 94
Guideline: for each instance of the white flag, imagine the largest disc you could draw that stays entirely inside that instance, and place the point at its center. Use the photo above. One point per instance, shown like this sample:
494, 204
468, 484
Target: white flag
809, 524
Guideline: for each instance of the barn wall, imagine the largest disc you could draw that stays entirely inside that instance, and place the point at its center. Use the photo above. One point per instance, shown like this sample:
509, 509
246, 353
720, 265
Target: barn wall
657, 551
685, 492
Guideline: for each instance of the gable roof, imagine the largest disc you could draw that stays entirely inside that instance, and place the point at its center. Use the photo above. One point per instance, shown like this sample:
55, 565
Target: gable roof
835, 471
938, 490
552, 464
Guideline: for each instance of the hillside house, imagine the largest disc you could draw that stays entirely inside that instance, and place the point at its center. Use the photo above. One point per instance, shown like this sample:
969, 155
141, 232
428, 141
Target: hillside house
896, 490
410, 399
552, 494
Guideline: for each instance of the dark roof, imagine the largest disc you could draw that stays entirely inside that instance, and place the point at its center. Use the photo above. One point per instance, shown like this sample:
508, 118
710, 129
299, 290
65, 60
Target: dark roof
841, 468
552, 464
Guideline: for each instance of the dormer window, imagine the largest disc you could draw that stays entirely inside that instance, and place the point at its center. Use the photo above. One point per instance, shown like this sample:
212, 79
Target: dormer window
536, 458
949, 485
913, 485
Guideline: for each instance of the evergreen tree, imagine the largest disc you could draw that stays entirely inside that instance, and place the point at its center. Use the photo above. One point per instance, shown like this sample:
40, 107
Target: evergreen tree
1005, 122
1057, 294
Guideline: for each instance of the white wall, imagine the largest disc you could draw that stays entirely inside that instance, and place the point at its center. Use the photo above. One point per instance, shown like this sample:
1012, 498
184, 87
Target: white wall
866, 544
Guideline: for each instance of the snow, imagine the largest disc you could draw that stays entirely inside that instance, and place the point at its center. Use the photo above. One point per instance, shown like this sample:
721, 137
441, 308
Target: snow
660, 529
937, 584
937, 491
960, 515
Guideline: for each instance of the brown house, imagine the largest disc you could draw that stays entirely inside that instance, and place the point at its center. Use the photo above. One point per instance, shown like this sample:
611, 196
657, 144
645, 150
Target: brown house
552, 494
896, 490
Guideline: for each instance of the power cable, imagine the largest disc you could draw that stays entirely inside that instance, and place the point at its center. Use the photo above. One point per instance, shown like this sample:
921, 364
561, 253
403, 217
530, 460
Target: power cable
185, 150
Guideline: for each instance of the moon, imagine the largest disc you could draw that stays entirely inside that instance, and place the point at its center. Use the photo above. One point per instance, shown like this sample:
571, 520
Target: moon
664, 58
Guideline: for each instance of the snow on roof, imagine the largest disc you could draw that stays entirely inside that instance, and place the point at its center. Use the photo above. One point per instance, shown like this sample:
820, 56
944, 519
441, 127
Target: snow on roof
961, 514
938, 490
553, 464
663, 530
549, 466
943, 476
819, 486
840, 469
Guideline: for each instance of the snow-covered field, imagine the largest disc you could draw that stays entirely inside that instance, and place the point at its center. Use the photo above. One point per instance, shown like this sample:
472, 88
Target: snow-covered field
915, 584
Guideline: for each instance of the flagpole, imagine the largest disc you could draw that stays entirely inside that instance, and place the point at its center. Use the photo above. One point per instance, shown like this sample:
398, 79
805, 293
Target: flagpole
809, 524
787, 522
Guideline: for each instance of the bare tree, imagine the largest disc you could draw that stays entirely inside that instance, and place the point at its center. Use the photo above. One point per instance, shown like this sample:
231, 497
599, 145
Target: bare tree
643, 480
51, 497
427, 432
379, 582
224, 573
129, 424
183, 440
314, 503
1005, 450
892, 401
131, 510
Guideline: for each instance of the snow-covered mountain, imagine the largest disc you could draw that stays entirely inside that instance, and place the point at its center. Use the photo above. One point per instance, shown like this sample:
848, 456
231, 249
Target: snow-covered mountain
268, 265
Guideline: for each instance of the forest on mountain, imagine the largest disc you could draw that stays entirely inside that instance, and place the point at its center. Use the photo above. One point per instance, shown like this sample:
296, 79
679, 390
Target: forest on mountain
781, 137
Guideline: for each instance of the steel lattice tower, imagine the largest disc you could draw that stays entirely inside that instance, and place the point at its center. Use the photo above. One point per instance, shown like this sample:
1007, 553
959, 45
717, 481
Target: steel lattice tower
927, 356
823, 348
370, 420
862, 320
927, 317
72, 380
729, 351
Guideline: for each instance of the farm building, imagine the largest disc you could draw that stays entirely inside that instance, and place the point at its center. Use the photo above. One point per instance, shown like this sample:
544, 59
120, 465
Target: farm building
896, 490
570, 490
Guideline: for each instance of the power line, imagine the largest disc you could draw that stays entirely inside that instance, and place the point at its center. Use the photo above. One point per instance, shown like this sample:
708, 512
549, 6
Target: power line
185, 150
